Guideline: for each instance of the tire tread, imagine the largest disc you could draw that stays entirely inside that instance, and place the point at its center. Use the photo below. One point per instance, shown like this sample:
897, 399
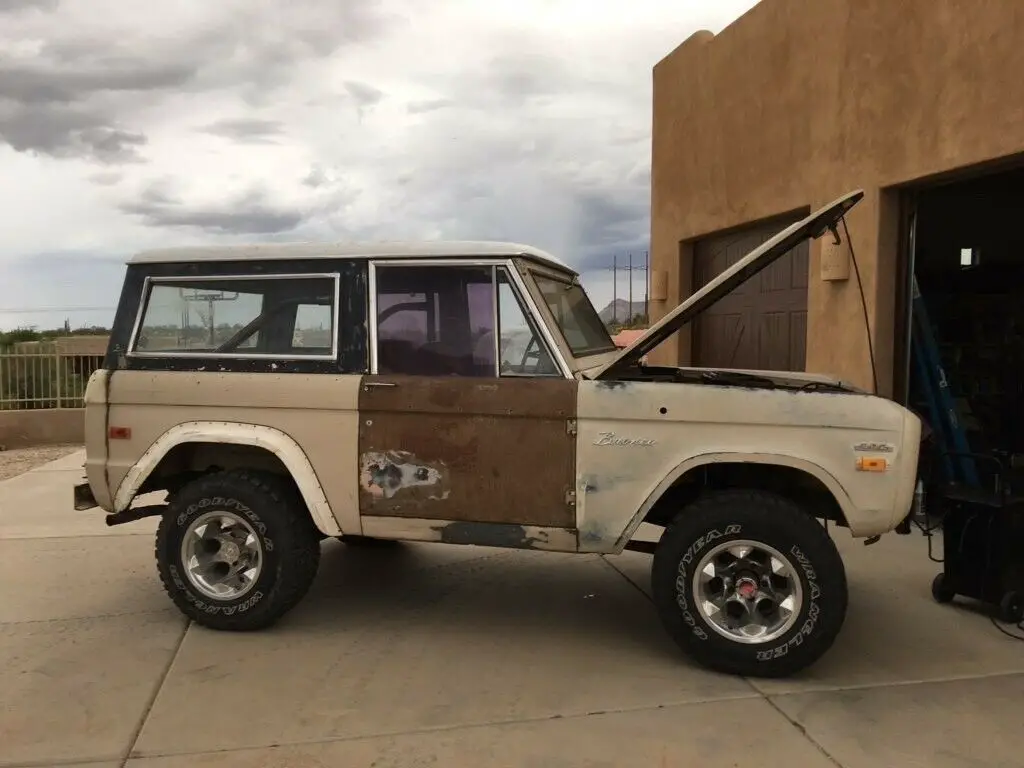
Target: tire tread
713, 509
300, 558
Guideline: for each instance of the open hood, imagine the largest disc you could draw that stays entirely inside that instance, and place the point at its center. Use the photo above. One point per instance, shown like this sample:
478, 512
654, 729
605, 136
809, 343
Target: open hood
814, 226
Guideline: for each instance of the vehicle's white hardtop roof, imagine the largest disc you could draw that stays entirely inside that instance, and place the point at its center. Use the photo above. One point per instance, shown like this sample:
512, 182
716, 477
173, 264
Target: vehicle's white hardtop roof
426, 249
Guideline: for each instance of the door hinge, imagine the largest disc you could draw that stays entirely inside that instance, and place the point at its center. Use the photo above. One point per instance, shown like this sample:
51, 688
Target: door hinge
570, 498
570, 427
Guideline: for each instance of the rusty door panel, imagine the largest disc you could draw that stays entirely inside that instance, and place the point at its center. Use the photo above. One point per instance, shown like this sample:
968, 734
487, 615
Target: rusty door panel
467, 449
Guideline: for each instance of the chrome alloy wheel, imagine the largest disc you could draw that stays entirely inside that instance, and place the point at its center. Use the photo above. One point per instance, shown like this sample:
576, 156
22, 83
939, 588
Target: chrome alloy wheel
747, 591
222, 555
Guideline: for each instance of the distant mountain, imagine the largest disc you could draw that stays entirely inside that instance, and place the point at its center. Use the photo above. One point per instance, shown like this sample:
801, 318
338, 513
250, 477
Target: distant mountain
620, 310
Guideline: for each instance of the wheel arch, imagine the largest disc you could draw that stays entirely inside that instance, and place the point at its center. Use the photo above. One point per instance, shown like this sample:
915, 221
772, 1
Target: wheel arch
715, 469
255, 436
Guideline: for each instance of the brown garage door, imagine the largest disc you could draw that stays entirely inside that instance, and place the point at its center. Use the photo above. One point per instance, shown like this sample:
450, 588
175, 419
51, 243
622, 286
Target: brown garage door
763, 323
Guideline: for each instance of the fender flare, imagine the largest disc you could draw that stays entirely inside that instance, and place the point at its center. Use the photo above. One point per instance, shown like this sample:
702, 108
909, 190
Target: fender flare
735, 457
273, 440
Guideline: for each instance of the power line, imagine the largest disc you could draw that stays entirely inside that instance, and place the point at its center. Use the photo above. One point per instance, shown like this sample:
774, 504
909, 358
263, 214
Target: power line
31, 310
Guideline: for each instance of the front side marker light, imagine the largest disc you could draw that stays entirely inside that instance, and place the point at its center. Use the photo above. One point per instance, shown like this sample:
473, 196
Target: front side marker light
872, 464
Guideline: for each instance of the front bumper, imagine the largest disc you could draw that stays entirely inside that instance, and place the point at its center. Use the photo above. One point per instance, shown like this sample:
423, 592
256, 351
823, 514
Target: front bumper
84, 499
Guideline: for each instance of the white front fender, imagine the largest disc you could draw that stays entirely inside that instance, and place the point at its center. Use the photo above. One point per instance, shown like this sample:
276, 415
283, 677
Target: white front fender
814, 470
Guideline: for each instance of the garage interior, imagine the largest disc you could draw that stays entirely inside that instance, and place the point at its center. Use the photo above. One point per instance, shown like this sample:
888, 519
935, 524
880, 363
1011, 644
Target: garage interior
963, 370
968, 259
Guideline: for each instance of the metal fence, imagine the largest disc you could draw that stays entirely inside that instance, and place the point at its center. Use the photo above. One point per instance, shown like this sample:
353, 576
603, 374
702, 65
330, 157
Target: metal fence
35, 380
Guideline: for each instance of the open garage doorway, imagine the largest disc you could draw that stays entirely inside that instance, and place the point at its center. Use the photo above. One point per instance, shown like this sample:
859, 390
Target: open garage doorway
963, 353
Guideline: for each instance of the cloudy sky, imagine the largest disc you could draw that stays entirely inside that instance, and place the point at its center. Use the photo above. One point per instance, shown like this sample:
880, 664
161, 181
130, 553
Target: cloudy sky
127, 125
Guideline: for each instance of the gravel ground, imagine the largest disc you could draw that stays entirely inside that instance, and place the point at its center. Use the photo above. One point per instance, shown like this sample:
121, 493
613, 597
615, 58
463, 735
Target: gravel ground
18, 460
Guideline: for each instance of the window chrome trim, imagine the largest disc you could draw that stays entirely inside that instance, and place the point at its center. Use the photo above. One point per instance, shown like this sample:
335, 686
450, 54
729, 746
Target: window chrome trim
150, 282
482, 262
517, 285
371, 311
495, 322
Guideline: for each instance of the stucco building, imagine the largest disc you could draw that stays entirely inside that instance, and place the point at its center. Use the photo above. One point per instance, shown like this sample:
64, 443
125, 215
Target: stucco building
918, 102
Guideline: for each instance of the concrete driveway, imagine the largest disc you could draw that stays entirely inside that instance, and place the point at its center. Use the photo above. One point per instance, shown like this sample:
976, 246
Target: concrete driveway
433, 655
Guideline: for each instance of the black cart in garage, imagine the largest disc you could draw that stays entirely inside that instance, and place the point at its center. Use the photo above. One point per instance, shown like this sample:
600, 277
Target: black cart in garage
983, 540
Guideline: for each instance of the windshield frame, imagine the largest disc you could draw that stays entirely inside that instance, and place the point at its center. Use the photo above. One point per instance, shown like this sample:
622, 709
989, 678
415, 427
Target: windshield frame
572, 283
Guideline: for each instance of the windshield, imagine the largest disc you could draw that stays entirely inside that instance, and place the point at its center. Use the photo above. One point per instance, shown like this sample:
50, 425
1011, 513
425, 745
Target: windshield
577, 319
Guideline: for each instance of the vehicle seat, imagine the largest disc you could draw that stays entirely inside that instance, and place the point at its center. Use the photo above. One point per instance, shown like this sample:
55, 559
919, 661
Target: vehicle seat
440, 359
396, 356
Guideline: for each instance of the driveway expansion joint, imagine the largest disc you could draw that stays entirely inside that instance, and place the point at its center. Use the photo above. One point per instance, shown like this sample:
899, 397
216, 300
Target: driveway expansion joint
129, 753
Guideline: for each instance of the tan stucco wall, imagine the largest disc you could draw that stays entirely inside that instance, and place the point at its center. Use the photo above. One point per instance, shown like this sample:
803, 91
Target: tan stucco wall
801, 100
51, 426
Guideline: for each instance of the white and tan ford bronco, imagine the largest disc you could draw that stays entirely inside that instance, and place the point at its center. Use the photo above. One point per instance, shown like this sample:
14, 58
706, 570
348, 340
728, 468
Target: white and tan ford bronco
468, 393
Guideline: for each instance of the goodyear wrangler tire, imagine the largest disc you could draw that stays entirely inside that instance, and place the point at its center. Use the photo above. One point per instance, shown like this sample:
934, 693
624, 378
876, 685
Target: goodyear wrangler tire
236, 550
748, 583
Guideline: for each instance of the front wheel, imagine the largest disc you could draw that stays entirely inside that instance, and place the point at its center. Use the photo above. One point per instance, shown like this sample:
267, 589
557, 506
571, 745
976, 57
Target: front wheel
1011, 608
941, 591
748, 583
236, 550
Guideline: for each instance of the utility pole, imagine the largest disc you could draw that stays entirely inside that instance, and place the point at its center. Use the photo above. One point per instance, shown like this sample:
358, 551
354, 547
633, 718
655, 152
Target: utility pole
615, 289
629, 269
210, 298
647, 286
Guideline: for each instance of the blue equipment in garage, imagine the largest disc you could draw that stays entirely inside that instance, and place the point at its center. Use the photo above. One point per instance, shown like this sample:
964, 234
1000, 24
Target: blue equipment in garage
982, 522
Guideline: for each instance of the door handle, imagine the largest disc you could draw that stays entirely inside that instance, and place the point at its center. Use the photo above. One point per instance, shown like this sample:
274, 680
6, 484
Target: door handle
368, 384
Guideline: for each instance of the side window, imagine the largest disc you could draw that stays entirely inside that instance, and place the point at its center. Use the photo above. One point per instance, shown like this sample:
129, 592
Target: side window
184, 317
455, 321
523, 351
279, 316
435, 320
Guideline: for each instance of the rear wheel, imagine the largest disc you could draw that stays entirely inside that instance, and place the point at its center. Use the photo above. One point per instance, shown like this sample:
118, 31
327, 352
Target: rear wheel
236, 550
748, 583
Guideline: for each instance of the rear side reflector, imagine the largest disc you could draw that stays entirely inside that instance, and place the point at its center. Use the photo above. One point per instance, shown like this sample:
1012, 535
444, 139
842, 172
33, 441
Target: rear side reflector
120, 433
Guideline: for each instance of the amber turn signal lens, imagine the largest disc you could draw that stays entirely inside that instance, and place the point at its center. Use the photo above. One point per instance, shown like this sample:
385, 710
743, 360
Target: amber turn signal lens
872, 464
